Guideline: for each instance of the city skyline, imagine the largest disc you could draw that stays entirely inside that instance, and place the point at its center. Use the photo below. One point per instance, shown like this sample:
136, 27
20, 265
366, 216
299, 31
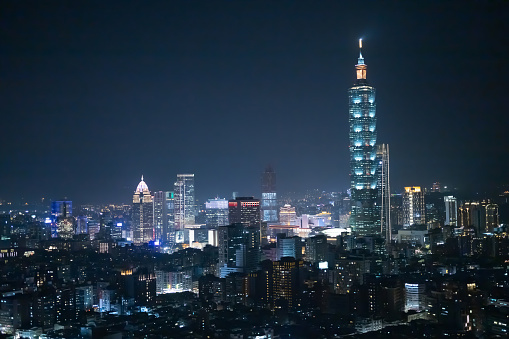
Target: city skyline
75, 100
221, 169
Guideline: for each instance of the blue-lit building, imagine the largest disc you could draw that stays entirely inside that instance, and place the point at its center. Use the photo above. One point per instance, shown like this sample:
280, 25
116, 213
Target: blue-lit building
61, 208
365, 219
269, 197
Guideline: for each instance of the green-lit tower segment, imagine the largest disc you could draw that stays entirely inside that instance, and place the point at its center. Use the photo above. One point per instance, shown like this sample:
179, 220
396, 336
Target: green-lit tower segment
364, 219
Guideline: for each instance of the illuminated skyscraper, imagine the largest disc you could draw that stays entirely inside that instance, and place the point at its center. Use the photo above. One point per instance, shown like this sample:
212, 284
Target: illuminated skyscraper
269, 196
239, 248
244, 210
365, 217
142, 214
384, 191
414, 212
217, 212
184, 203
451, 211
163, 215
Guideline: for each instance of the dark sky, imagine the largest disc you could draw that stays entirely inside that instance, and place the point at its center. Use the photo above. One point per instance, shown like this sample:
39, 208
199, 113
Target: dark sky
94, 94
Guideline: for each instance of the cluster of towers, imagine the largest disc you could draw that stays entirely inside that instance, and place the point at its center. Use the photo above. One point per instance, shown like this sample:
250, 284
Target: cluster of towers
162, 216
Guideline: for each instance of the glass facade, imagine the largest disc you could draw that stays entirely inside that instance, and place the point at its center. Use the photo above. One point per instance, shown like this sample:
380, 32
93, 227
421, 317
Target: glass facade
269, 196
365, 217
184, 203
217, 212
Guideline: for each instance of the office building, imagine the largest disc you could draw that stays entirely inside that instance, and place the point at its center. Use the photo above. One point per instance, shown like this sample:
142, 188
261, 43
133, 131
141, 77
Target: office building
364, 218
244, 210
288, 246
159, 214
287, 215
384, 191
142, 214
216, 212
82, 225
61, 208
239, 248
184, 201
269, 196
413, 207
169, 221
317, 249
434, 208
163, 216
415, 298
66, 227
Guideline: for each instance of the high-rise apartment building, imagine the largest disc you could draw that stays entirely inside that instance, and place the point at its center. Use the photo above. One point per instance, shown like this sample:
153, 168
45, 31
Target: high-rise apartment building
451, 211
285, 281
269, 196
492, 217
216, 212
414, 212
365, 219
384, 191
184, 202
479, 215
142, 214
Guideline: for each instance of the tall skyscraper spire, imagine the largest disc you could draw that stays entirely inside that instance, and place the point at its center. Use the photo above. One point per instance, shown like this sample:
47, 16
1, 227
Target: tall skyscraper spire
360, 61
142, 214
361, 67
365, 216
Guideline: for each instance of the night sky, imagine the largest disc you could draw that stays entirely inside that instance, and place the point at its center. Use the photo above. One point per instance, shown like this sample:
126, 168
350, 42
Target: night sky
95, 94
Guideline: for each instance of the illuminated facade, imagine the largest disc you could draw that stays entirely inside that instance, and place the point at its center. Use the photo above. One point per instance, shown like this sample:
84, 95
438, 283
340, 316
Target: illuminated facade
287, 215
163, 216
217, 212
61, 209
479, 215
244, 210
414, 212
142, 214
184, 202
239, 249
269, 196
384, 191
365, 216
285, 281
451, 211
66, 227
